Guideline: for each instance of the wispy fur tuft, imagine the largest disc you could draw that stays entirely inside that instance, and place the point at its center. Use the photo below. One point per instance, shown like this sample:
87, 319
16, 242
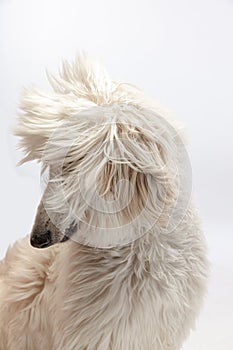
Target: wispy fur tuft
80, 85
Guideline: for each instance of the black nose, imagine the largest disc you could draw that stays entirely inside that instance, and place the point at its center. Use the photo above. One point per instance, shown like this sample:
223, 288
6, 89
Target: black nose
41, 240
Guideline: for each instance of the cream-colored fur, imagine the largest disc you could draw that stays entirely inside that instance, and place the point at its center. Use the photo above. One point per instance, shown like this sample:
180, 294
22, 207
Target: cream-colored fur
133, 275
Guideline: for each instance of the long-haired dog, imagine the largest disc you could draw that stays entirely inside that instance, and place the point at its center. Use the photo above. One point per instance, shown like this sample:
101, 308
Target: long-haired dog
131, 273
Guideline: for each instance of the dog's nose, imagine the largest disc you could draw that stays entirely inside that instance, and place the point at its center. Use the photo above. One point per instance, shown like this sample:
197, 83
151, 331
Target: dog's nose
41, 240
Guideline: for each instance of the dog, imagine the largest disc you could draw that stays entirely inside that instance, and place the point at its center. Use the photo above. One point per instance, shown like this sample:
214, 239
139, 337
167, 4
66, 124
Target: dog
116, 259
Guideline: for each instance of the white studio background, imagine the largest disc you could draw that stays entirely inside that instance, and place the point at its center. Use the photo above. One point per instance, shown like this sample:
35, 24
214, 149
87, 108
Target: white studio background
179, 52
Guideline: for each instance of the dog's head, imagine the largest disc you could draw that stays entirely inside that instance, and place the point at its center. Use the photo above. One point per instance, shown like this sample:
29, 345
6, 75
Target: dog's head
109, 158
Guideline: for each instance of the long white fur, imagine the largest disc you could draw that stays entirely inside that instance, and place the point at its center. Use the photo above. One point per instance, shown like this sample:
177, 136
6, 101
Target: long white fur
99, 134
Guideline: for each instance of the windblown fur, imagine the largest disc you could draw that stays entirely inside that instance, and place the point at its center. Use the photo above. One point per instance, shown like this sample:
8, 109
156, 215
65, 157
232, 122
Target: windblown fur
133, 274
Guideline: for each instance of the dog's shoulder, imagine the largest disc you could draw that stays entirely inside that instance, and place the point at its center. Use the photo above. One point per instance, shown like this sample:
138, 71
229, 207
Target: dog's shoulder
25, 275
24, 270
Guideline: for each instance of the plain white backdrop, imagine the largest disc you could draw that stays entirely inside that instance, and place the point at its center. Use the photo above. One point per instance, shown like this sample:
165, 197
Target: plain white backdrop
179, 52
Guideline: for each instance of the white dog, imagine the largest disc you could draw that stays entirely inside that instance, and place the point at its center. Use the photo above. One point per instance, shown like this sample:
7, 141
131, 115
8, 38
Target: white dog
132, 271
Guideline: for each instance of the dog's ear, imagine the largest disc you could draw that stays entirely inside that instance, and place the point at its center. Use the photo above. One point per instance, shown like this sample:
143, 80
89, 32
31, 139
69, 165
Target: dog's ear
142, 170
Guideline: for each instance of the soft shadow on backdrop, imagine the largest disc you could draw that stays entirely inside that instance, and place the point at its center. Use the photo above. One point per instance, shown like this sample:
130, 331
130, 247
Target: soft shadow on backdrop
180, 52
